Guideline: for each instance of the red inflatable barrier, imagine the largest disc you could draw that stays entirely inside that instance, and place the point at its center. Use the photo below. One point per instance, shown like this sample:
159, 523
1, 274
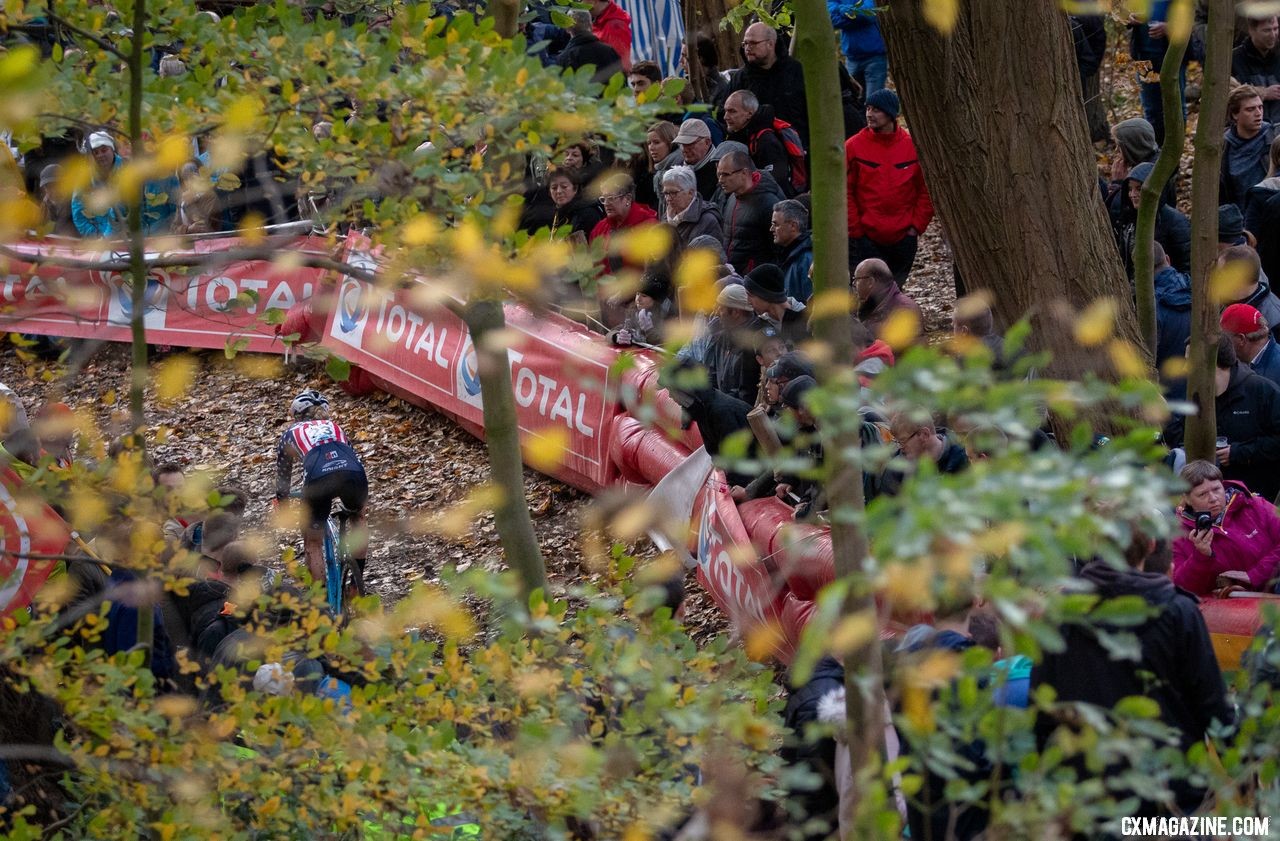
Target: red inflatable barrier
761, 569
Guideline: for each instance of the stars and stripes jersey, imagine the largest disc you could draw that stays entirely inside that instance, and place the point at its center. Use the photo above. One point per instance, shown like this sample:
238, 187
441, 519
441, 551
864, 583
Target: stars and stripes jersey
320, 445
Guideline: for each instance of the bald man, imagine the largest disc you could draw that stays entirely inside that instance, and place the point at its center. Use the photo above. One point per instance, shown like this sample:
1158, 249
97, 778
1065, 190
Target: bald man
879, 295
775, 78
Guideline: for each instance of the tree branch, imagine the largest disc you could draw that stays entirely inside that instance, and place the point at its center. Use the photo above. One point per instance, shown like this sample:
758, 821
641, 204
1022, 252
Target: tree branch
101, 42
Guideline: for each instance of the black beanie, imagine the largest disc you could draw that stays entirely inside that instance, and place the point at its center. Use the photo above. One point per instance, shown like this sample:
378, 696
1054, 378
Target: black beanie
767, 283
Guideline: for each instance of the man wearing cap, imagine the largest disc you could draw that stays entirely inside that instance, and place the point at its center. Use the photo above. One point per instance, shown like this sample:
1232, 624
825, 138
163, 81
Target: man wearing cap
889, 205
694, 140
747, 210
99, 222
731, 356
53, 207
1245, 264
1251, 336
776, 79
766, 291
879, 295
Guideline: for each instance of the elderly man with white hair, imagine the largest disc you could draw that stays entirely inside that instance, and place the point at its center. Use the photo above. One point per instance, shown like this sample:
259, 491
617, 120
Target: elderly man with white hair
687, 212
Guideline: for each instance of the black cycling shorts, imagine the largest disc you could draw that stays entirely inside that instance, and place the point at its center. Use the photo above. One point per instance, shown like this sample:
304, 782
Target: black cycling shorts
350, 486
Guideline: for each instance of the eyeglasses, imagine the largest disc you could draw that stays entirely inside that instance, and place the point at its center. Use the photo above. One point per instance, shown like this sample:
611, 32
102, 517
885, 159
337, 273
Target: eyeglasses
723, 175
614, 198
672, 192
754, 43
859, 277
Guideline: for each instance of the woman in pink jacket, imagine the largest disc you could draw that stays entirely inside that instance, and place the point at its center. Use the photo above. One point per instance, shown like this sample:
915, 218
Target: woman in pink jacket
1231, 538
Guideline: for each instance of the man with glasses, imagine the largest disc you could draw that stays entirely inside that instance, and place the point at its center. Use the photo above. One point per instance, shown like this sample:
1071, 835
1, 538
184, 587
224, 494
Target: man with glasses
747, 210
879, 295
790, 228
919, 440
776, 80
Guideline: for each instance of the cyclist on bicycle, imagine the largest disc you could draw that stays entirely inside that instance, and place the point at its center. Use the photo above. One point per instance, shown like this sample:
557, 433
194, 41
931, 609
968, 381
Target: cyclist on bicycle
330, 470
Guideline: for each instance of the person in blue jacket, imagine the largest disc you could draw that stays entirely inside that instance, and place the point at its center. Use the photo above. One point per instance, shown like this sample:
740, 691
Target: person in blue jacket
860, 41
104, 222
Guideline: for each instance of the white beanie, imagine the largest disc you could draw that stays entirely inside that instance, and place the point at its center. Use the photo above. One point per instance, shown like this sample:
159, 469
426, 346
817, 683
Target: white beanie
100, 138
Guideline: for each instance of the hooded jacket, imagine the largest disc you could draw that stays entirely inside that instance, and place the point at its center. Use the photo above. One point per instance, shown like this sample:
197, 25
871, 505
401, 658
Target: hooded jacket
613, 26
1262, 219
887, 194
1176, 667
746, 222
818, 757
1173, 229
859, 30
1137, 141
1244, 163
1248, 414
1246, 538
1267, 363
1173, 314
766, 147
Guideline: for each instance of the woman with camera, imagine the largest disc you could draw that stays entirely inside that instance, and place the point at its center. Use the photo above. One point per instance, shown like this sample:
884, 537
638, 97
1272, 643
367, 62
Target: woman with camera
1231, 538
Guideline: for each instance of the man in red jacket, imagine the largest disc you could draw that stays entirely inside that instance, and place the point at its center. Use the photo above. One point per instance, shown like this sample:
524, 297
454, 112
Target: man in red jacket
889, 204
612, 25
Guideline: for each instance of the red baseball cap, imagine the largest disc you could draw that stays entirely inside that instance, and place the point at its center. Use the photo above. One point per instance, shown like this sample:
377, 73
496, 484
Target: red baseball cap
1241, 318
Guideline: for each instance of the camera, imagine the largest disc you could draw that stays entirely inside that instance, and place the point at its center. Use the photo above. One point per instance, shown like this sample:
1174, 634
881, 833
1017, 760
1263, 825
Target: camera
1204, 522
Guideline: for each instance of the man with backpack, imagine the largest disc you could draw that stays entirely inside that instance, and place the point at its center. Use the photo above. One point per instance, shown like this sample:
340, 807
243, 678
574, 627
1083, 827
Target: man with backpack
889, 205
774, 145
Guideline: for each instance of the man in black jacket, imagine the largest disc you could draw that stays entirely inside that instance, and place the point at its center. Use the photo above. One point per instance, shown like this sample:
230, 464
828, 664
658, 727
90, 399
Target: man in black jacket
1176, 666
1248, 414
584, 49
775, 79
751, 124
747, 210
1257, 62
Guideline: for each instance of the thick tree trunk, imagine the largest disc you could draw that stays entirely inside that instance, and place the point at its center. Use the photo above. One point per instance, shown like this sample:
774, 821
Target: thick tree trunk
1202, 355
997, 118
1166, 165
486, 321
815, 46
704, 17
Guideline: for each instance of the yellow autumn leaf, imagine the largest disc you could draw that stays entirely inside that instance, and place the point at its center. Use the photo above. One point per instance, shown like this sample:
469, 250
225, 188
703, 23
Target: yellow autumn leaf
830, 303
906, 586
763, 640
76, 175
174, 377
252, 228
637, 832
696, 281
522, 77
172, 152
420, 230
241, 113
941, 14
852, 632
1175, 367
646, 243
259, 366
1229, 283
900, 329
544, 450
175, 706
999, 540
88, 511
916, 707
1096, 324
1180, 19
1126, 359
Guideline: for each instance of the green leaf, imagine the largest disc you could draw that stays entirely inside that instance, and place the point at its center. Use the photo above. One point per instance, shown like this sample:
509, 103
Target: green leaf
337, 368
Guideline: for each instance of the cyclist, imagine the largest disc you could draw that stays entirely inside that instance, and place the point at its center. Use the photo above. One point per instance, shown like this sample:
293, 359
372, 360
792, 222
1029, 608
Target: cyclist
330, 469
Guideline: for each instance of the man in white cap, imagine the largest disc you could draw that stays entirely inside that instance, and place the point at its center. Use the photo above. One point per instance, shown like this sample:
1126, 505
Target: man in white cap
106, 221
53, 203
694, 140
731, 361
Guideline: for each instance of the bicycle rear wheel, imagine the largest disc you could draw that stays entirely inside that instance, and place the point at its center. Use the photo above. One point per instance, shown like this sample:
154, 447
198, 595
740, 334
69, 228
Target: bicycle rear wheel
332, 568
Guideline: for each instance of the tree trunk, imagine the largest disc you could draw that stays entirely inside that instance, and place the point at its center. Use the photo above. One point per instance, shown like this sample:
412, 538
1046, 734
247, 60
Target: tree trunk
1202, 427
704, 17
485, 318
998, 121
1149, 205
138, 271
815, 46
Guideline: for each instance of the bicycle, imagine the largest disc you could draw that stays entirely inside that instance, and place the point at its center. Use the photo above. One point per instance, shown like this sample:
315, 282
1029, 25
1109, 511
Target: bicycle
343, 577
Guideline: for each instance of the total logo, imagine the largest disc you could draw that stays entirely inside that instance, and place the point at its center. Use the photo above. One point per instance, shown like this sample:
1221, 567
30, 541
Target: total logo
16, 543
352, 314
120, 306
468, 385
